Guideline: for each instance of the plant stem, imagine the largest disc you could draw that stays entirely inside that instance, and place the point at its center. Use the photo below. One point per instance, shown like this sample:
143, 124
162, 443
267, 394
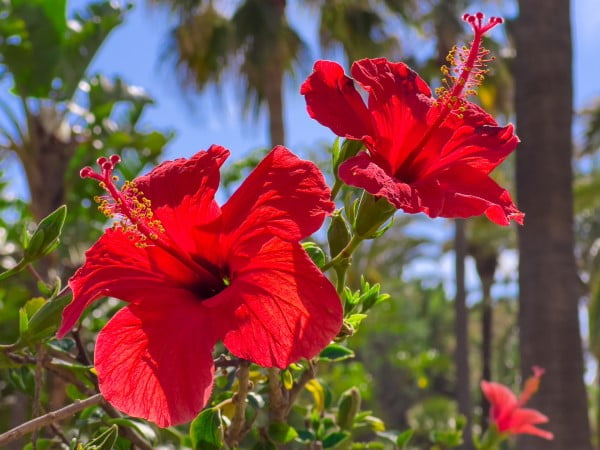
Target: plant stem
47, 419
336, 189
306, 376
234, 433
344, 254
278, 405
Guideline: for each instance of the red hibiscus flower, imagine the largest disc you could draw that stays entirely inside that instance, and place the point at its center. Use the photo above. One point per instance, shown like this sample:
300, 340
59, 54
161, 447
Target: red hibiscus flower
194, 273
507, 412
424, 154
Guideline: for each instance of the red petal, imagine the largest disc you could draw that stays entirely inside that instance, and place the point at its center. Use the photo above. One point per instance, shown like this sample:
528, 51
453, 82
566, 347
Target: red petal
332, 100
156, 363
286, 308
115, 267
468, 192
530, 429
399, 101
362, 172
285, 195
182, 195
503, 403
482, 148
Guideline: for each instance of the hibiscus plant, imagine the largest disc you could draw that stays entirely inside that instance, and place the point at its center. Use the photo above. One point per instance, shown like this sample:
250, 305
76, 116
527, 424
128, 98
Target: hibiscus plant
227, 312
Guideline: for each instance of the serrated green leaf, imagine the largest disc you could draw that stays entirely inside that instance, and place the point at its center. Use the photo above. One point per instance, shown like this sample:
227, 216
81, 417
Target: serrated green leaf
355, 319
336, 352
336, 439
205, 430
282, 433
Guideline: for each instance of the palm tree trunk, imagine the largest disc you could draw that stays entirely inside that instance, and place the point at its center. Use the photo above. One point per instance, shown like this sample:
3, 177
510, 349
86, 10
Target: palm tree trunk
486, 341
274, 98
274, 84
548, 318
461, 321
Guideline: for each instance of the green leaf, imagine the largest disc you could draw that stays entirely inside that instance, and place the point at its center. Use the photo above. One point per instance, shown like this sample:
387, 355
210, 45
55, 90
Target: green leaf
338, 234
282, 433
105, 440
315, 252
355, 319
46, 236
23, 322
288, 379
46, 319
33, 305
404, 438
205, 431
336, 352
41, 444
336, 439
13, 270
143, 428
348, 406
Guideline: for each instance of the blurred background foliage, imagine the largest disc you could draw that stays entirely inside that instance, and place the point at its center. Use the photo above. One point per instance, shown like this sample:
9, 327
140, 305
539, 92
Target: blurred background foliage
58, 117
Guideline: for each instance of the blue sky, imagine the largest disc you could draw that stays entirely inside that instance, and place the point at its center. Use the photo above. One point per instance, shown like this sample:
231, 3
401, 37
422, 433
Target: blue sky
134, 51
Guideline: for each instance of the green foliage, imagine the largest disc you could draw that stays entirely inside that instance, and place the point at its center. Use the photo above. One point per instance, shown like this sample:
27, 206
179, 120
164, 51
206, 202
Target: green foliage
205, 430
38, 45
44, 240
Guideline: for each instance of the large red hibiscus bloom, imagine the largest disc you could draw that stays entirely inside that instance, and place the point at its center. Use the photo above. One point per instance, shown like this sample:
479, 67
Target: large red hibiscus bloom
194, 273
424, 154
507, 412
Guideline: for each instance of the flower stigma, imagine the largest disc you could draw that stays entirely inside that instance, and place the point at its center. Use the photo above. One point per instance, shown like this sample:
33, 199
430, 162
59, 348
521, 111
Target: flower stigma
138, 220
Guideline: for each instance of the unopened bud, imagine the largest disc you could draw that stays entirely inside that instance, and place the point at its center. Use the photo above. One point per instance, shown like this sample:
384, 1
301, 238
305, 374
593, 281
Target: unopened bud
348, 407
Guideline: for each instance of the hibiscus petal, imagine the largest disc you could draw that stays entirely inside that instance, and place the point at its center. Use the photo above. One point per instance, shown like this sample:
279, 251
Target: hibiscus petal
332, 100
281, 307
503, 402
156, 362
469, 192
530, 429
182, 192
361, 171
285, 195
399, 101
116, 267
482, 148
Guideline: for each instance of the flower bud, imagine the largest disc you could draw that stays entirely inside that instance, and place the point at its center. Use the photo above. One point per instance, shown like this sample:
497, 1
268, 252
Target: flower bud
348, 407
372, 213
338, 234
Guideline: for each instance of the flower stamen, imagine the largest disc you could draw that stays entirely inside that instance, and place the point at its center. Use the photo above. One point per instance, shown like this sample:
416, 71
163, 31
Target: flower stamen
135, 208
467, 72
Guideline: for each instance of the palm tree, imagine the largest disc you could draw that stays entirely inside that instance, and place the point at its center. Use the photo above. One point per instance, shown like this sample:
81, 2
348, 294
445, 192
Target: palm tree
256, 45
548, 319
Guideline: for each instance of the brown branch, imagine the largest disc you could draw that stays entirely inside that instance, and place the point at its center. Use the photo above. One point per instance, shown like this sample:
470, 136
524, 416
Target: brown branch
225, 361
82, 355
37, 390
278, 405
306, 376
234, 433
47, 419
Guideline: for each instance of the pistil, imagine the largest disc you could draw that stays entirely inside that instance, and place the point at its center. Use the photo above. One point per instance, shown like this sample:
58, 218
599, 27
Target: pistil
139, 214
471, 74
